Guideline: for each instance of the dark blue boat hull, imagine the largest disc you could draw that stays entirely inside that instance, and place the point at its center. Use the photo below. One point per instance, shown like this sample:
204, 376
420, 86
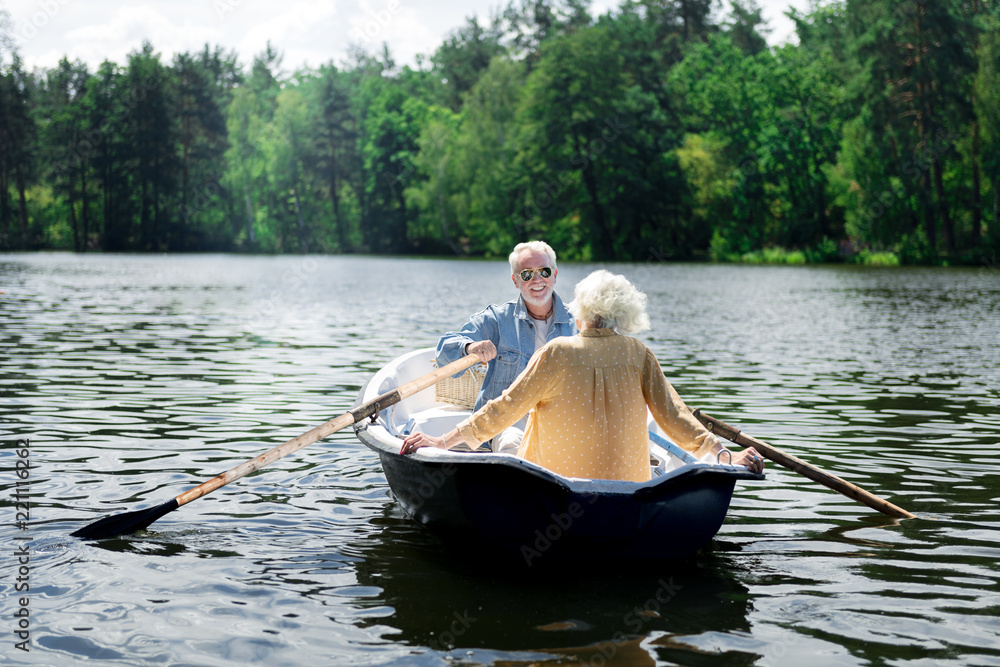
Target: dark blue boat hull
531, 514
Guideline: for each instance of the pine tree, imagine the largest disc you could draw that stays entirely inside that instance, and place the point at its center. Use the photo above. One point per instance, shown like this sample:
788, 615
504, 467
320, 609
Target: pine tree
987, 107
335, 135
68, 144
914, 69
17, 140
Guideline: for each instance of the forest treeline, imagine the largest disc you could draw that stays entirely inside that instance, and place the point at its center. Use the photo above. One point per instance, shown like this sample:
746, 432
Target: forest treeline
662, 129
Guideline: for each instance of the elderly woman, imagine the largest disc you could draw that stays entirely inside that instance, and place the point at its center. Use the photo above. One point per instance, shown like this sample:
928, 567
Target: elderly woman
588, 396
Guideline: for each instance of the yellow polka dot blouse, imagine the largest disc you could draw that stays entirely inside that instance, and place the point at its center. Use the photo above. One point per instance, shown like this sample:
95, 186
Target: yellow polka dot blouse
587, 395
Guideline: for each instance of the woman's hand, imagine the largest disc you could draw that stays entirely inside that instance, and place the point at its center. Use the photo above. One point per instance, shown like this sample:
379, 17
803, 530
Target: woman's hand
749, 458
413, 442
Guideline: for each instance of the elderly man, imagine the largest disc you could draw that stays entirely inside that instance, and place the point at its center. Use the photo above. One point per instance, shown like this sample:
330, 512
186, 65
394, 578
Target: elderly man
589, 396
506, 336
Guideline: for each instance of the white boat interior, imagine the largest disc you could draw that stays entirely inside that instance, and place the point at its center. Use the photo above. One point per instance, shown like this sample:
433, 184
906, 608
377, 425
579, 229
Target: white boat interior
439, 409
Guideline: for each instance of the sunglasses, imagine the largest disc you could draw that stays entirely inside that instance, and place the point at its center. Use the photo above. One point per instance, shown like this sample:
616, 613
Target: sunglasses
528, 274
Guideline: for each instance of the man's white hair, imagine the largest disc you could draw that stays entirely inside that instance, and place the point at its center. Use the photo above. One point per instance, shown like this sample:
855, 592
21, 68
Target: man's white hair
609, 301
530, 246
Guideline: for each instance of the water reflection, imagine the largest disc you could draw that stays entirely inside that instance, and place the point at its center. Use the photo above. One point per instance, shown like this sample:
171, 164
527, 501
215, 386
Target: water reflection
455, 601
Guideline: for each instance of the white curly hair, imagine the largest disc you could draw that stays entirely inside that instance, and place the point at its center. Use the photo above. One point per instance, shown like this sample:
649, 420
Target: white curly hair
530, 246
609, 301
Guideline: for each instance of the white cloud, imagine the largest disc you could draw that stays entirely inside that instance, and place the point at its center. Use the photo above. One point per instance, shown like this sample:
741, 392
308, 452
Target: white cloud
408, 36
81, 30
304, 34
128, 27
782, 28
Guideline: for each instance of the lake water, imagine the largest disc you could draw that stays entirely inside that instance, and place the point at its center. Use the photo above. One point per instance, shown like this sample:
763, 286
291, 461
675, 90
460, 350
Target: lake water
134, 378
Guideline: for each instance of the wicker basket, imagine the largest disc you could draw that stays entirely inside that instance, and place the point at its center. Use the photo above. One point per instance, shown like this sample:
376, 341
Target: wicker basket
461, 391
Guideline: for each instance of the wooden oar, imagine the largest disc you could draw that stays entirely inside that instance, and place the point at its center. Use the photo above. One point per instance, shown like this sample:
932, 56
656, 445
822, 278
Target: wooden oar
798, 465
129, 522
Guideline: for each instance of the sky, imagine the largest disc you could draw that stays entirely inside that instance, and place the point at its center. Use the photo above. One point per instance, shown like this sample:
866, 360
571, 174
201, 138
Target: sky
308, 32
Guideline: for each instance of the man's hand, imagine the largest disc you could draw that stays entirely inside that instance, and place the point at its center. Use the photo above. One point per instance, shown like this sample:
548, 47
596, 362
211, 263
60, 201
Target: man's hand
484, 349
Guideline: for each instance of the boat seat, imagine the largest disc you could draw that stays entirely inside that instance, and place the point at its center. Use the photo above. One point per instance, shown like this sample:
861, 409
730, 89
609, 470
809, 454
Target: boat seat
435, 421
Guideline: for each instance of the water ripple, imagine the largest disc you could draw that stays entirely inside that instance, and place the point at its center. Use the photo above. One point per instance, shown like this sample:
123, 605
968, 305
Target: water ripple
137, 377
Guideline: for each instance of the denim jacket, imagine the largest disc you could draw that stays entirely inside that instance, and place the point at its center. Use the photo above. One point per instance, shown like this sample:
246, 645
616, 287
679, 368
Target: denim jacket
512, 331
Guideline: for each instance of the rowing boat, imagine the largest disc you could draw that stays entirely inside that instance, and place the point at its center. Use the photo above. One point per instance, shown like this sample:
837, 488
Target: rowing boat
519, 507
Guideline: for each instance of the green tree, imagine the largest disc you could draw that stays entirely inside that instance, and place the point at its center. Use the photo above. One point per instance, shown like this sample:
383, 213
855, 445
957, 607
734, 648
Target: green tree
285, 142
802, 140
652, 37
747, 27
334, 127
63, 115
532, 22
486, 173
910, 87
577, 116
17, 145
673, 23
104, 145
250, 112
433, 196
711, 179
150, 141
987, 108
391, 134
464, 55
468, 173
204, 85
725, 103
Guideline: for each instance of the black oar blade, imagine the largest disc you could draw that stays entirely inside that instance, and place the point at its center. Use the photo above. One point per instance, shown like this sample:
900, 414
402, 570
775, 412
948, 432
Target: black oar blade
122, 524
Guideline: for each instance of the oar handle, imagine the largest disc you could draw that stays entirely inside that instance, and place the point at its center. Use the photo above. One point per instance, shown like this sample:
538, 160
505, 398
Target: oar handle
363, 411
798, 465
